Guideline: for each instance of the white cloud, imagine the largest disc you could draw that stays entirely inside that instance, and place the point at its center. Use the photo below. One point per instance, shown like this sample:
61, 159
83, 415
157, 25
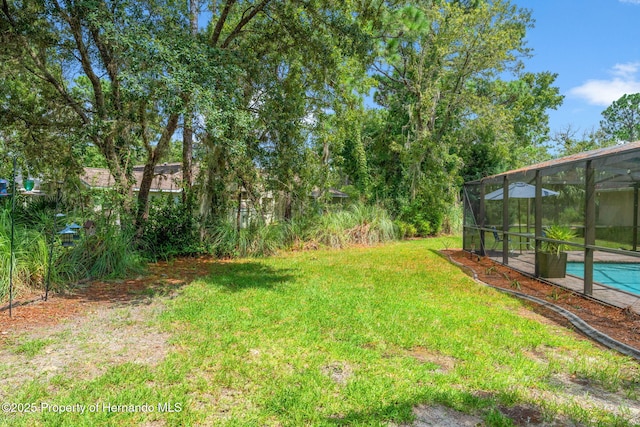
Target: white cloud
630, 1
625, 79
628, 70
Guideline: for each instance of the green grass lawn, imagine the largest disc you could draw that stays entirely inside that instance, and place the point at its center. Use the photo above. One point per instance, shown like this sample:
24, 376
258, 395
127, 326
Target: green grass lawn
351, 337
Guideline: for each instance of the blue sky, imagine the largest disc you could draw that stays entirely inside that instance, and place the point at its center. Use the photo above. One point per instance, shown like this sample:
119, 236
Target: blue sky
593, 46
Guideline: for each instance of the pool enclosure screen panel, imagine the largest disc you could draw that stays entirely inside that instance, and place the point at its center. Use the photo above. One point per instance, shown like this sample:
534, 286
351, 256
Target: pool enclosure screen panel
471, 218
617, 183
593, 194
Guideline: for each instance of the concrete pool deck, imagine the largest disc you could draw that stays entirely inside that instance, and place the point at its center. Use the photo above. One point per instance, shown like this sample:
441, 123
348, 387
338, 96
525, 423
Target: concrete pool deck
524, 262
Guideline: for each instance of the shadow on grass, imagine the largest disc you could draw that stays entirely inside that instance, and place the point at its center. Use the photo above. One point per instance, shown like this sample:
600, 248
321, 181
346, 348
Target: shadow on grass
236, 277
165, 279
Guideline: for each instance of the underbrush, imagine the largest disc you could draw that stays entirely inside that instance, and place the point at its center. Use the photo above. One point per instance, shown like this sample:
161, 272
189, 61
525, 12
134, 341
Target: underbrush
108, 254
359, 224
172, 230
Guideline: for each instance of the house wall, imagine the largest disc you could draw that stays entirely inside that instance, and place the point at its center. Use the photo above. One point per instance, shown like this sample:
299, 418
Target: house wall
615, 208
248, 212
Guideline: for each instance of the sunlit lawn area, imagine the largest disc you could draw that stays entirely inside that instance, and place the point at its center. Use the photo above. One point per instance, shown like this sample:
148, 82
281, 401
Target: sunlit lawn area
350, 337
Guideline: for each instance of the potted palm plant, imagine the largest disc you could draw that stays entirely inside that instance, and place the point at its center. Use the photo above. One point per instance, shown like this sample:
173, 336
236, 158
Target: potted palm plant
552, 259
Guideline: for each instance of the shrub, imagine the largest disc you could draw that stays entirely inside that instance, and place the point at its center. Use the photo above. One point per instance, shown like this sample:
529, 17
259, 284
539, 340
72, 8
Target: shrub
297, 233
453, 219
258, 239
427, 220
109, 253
406, 230
357, 225
30, 256
171, 230
36, 213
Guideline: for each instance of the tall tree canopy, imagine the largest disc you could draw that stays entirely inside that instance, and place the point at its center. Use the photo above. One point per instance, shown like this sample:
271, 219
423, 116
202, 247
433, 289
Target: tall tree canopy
267, 96
622, 119
114, 66
450, 113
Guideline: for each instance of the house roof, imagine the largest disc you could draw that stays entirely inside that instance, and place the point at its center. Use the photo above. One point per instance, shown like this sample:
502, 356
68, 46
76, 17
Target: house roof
574, 158
167, 178
336, 194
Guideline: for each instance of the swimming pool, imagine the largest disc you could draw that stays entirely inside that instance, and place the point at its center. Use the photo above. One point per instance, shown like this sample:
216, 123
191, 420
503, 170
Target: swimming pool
625, 276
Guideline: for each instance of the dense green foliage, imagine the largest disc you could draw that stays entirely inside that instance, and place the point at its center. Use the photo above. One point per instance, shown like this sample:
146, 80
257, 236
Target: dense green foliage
450, 116
271, 95
171, 230
357, 225
621, 120
110, 253
269, 98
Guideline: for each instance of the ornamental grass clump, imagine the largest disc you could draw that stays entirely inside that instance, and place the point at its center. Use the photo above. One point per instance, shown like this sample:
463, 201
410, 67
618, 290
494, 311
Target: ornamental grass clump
360, 224
255, 240
561, 234
30, 256
107, 254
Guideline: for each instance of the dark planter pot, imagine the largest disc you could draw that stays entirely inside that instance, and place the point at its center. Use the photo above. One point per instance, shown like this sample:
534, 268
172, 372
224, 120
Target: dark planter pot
552, 265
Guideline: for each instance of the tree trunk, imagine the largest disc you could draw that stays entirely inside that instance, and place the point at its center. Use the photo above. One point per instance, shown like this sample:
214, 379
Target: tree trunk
239, 213
193, 16
124, 181
187, 136
288, 211
143, 194
187, 153
153, 157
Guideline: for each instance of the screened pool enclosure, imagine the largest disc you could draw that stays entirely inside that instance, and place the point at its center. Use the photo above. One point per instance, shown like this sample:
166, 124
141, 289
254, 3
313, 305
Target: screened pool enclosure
572, 221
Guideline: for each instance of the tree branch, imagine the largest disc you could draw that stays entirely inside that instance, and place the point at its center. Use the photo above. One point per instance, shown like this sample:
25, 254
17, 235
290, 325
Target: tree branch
41, 66
215, 37
85, 60
110, 64
244, 21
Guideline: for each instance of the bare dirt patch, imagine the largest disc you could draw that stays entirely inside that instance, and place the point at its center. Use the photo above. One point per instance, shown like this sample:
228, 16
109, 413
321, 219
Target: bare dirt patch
520, 415
439, 415
85, 347
423, 355
339, 372
572, 388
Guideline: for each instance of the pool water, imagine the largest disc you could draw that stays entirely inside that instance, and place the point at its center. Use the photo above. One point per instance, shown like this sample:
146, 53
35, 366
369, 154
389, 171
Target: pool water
625, 276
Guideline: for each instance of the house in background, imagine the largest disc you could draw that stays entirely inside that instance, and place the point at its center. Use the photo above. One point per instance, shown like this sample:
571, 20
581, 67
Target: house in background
167, 180
337, 196
270, 207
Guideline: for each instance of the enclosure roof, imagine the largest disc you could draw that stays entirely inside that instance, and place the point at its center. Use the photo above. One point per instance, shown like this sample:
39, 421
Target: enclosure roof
574, 158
